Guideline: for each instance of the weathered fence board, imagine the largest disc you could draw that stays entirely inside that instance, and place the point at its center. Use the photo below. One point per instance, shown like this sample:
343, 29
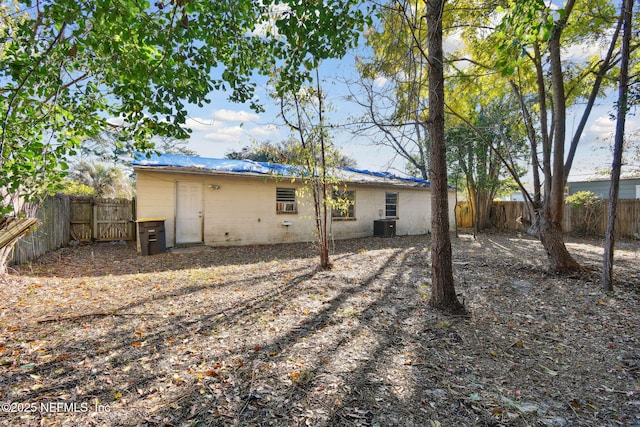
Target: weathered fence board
582, 220
51, 233
505, 215
628, 216
81, 216
63, 218
464, 216
113, 220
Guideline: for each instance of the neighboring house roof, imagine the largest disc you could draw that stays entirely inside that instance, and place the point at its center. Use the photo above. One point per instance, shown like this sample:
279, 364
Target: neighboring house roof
629, 187
601, 178
183, 163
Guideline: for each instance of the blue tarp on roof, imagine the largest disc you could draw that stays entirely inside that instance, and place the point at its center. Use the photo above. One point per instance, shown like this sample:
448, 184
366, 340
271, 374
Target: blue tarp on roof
247, 166
222, 165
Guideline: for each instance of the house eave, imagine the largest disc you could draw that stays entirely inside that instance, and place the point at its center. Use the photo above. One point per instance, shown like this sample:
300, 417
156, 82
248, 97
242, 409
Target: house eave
374, 182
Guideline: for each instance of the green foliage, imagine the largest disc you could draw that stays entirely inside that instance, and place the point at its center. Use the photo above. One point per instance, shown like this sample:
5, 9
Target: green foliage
584, 198
476, 149
523, 24
508, 186
527, 25
398, 110
590, 209
106, 181
67, 66
74, 187
286, 152
342, 202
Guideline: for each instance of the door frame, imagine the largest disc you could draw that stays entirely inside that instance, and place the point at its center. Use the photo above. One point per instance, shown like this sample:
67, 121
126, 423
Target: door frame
200, 184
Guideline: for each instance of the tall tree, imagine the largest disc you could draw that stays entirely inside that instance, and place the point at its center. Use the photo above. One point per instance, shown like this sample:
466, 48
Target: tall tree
285, 152
531, 39
304, 112
409, 53
392, 88
480, 146
443, 294
106, 181
67, 66
616, 167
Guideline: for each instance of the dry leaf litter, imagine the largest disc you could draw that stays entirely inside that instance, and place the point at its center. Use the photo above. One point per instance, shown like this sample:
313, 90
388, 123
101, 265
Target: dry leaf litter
257, 336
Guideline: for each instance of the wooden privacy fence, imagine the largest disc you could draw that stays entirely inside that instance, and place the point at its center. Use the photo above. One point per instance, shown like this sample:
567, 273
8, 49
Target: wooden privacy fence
80, 218
65, 218
103, 220
51, 233
113, 220
582, 220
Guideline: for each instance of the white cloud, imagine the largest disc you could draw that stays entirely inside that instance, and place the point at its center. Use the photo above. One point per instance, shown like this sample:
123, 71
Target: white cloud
453, 43
602, 127
380, 81
264, 131
199, 124
267, 27
116, 121
234, 116
583, 51
239, 133
602, 131
226, 134
219, 119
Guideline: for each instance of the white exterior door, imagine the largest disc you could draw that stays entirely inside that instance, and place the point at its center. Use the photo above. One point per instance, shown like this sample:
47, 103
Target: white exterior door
188, 212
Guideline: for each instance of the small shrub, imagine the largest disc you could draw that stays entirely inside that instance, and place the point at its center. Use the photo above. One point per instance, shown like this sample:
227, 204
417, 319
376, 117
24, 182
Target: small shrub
76, 188
584, 198
590, 205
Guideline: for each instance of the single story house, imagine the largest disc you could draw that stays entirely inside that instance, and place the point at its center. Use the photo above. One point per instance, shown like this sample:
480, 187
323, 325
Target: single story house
629, 187
222, 202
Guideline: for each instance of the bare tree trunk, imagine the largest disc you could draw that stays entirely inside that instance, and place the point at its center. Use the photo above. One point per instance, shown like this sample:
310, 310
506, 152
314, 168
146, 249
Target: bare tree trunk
552, 238
325, 263
5, 253
443, 294
485, 204
607, 265
321, 212
316, 168
551, 217
471, 191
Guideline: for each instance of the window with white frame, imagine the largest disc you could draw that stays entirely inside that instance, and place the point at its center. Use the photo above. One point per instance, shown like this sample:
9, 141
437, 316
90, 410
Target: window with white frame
286, 200
344, 204
391, 205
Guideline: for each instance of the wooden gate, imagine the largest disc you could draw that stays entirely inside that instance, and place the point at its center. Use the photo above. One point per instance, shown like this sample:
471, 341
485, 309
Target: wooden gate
113, 220
80, 218
102, 220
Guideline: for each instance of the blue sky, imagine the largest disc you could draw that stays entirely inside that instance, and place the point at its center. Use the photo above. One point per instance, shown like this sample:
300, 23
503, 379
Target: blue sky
222, 126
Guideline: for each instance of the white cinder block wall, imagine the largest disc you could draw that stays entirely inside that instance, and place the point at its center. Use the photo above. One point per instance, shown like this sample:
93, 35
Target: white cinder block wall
240, 210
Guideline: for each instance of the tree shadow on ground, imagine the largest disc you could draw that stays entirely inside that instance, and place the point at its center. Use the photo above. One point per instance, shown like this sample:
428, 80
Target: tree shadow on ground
283, 343
101, 259
169, 359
